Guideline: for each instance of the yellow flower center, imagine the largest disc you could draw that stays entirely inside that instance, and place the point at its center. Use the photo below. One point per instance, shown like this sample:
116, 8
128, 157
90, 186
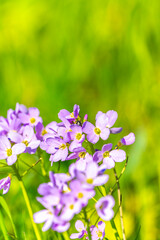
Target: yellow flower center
26, 142
105, 154
44, 132
9, 152
72, 115
66, 189
99, 234
49, 212
78, 136
90, 180
82, 154
97, 131
80, 195
71, 206
32, 120
62, 146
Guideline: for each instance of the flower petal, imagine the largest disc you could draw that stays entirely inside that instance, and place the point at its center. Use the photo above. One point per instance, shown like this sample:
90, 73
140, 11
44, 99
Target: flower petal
79, 226
109, 163
112, 117
105, 133
12, 159
18, 148
107, 147
118, 155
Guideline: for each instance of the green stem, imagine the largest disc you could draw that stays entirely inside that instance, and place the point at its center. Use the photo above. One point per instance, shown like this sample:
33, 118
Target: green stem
30, 168
120, 204
124, 168
27, 201
66, 236
88, 229
29, 210
116, 234
3, 228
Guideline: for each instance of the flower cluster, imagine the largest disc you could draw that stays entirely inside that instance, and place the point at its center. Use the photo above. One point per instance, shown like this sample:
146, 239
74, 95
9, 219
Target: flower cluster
97, 233
17, 133
66, 194
73, 138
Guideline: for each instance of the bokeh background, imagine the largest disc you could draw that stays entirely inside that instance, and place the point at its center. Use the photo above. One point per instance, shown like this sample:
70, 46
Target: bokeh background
101, 55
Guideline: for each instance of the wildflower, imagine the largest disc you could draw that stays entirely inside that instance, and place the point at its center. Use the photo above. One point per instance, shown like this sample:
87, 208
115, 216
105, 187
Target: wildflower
81, 230
31, 117
71, 206
64, 130
76, 136
112, 117
90, 177
104, 207
9, 152
82, 158
29, 139
45, 215
98, 233
98, 131
20, 108
80, 193
69, 116
129, 139
42, 131
58, 149
61, 227
109, 157
5, 184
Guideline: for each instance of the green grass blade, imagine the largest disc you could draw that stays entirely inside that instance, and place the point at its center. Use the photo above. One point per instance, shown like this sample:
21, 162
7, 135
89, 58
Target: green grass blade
3, 228
138, 233
6, 208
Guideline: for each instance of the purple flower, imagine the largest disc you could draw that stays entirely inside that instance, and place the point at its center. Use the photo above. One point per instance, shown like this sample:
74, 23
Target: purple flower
61, 227
45, 215
129, 139
60, 180
9, 152
32, 117
42, 131
90, 177
64, 130
57, 148
81, 230
98, 131
76, 136
69, 116
80, 193
98, 233
112, 117
10, 127
109, 157
28, 138
5, 184
20, 108
70, 207
104, 207
82, 158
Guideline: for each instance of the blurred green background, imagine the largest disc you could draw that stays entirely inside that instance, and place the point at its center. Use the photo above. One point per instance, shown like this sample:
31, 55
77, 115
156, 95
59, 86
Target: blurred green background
101, 55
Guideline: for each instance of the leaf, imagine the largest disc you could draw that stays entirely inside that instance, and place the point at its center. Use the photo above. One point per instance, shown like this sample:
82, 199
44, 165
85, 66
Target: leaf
138, 233
6, 208
3, 228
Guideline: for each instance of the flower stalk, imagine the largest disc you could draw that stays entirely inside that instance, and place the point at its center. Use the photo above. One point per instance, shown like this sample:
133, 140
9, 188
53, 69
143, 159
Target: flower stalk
120, 204
27, 201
